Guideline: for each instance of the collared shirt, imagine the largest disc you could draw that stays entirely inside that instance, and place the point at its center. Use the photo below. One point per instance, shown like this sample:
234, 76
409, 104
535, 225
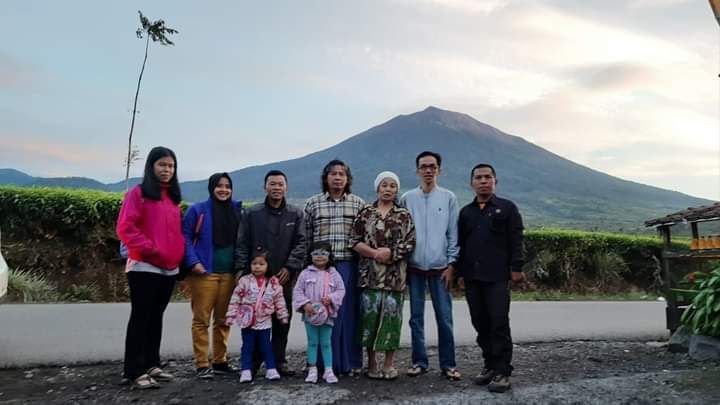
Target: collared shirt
491, 240
328, 220
395, 231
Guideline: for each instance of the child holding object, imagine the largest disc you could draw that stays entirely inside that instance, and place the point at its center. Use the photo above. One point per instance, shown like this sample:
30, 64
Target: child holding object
318, 295
253, 302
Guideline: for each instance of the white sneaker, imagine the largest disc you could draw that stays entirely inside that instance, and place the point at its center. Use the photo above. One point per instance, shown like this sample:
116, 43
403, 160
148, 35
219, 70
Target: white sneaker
329, 376
312, 375
272, 374
245, 376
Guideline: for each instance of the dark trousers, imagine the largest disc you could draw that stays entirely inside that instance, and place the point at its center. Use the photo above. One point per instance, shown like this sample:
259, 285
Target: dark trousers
280, 332
149, 296
256, 339
489, 311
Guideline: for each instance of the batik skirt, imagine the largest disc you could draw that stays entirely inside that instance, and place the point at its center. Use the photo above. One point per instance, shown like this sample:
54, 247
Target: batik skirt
381, 320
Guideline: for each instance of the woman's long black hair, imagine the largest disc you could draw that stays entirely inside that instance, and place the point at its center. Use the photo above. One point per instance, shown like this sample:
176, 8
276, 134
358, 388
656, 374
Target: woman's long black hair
151, 185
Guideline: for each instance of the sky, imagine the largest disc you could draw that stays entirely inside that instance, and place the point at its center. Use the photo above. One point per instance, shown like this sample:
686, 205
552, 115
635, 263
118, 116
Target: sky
627, 87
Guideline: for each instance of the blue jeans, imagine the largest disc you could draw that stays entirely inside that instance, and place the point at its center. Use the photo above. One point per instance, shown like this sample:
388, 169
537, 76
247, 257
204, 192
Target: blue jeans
442, 305
261, 338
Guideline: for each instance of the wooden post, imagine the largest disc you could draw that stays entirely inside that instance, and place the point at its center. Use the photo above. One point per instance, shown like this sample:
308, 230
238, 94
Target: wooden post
694, 228
672, 315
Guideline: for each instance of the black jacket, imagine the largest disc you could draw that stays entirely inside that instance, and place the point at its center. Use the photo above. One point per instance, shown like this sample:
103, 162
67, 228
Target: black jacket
281, 231
490, 240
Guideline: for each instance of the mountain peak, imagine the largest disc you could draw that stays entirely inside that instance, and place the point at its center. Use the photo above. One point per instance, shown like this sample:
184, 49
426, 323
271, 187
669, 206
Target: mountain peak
435, 116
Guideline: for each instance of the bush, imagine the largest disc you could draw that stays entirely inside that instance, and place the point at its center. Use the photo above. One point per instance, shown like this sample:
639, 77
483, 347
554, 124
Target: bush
29, 286
84, 292
703, 314
593, 261
47, 213
69, 237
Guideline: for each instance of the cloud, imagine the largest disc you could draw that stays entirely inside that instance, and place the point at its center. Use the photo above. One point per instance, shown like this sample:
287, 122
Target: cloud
468, 6
47, 157
614, 76
13, 73
642, 4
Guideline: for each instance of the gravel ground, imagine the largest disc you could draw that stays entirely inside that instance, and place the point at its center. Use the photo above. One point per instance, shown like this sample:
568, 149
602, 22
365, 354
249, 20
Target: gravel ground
557, 373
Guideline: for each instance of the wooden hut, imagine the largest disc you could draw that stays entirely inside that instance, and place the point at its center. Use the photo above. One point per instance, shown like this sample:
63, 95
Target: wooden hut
701, 248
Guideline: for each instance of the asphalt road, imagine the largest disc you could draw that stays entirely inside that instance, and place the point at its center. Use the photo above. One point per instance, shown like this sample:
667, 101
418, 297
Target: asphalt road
59, 334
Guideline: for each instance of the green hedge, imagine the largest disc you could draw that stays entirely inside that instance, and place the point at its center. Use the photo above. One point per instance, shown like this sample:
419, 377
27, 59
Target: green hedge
594, 261
48, 212
69, 235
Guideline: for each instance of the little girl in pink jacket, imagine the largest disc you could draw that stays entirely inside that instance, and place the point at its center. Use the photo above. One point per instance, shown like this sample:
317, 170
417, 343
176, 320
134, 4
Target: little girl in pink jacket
255, 299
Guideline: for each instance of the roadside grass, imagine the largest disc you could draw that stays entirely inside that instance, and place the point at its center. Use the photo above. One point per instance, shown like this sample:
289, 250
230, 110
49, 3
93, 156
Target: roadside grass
569, 296
27, 286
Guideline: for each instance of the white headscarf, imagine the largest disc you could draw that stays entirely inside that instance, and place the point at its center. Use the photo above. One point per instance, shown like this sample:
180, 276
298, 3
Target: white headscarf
386, 175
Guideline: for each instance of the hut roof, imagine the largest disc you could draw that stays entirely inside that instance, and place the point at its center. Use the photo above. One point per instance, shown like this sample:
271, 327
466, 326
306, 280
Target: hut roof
704, 213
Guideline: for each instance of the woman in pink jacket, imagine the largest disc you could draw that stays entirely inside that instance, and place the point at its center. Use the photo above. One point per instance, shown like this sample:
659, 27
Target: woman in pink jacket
150, 226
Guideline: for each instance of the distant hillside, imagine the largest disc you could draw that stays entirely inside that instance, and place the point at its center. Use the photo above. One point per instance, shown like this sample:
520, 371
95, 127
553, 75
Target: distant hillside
14, 177
549, 189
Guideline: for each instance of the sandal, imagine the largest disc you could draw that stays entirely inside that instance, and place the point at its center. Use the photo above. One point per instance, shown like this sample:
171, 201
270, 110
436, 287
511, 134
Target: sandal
160, 375
452, 374
390, 373
375, 374
144, 382
416, 370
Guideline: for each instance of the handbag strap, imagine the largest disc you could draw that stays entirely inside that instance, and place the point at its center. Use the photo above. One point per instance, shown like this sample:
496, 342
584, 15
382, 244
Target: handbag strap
326, 284
198, 227
258, 303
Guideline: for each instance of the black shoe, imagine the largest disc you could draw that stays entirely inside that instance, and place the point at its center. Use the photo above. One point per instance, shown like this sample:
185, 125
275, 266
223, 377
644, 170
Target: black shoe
485, 377
204, 373
499, 383
285, 370
223, 368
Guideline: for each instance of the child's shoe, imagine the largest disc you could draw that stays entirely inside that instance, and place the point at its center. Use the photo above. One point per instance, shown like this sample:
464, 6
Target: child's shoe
312, 375
245, 376
329, 376
272, 374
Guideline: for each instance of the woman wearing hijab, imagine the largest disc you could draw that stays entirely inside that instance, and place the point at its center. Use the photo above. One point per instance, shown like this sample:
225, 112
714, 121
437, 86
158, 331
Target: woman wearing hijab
210, 229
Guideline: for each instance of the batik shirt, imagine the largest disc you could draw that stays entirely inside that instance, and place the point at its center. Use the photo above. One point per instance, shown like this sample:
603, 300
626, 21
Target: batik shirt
395, 231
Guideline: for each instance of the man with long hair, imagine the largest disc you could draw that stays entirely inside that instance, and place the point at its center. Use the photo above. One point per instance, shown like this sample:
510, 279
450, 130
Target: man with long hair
329, 217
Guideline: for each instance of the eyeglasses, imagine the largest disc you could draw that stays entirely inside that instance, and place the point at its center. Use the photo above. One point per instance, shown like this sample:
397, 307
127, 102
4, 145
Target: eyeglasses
431, 168
320, 252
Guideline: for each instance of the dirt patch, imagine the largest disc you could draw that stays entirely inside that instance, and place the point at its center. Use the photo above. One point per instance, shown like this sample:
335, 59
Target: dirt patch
566, 372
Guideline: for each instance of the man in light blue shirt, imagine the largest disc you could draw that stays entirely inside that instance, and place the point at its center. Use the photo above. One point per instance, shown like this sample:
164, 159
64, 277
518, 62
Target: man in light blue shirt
432, 264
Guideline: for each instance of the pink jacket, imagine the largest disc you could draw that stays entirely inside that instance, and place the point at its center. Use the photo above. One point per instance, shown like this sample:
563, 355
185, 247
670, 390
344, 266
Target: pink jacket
247, 292
309, 289
151, 229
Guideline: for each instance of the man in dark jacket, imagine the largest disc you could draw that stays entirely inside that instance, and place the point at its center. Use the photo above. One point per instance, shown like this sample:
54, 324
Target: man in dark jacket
490, 235
278, 227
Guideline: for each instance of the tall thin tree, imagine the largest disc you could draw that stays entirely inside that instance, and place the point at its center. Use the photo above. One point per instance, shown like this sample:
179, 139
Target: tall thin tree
158, 32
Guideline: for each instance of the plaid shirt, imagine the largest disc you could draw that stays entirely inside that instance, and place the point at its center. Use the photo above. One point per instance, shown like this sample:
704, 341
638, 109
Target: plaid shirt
331, 221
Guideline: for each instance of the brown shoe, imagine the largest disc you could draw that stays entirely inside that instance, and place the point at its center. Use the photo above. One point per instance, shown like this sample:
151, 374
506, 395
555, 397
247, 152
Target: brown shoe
485, 377
500, 383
